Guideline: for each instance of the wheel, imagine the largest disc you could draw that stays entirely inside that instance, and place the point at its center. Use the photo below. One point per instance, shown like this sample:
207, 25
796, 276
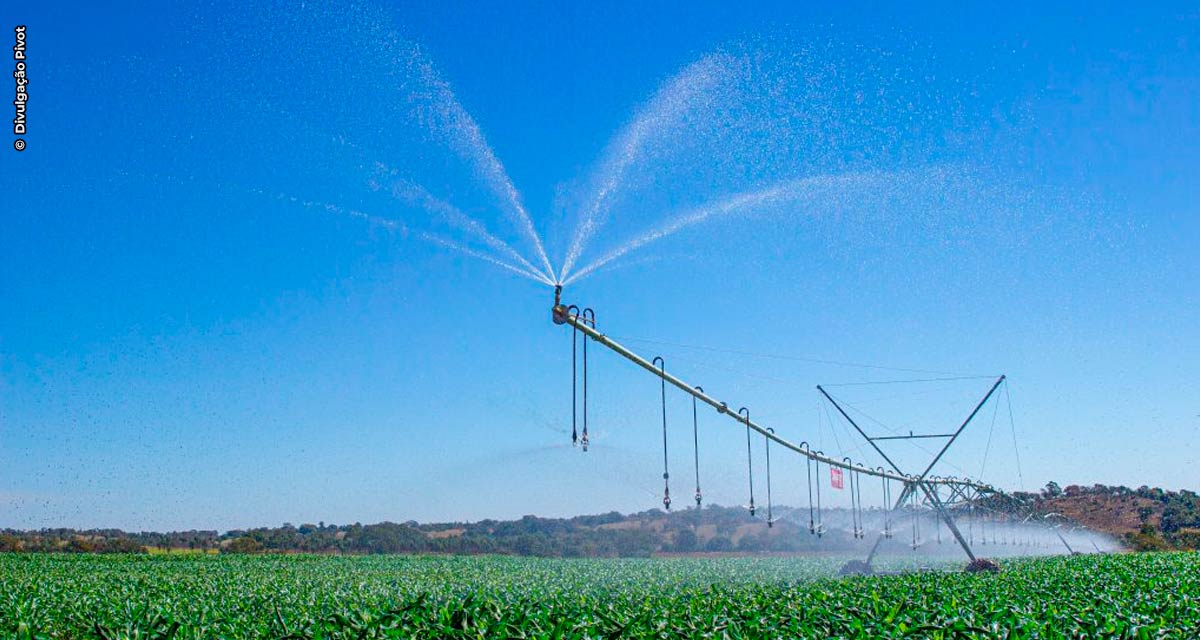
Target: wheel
983, 565
856, 568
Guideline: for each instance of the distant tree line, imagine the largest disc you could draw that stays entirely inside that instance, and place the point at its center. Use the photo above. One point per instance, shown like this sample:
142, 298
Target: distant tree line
713, 529
605, 535
530, 536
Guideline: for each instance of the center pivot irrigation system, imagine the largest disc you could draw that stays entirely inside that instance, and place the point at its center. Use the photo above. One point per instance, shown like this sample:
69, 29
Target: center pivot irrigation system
944, 496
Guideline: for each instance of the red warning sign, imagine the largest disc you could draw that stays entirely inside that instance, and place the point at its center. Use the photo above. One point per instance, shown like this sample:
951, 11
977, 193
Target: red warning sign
835, 477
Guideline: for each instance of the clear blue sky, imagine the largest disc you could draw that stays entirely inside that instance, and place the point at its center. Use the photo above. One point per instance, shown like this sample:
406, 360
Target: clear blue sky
183, 345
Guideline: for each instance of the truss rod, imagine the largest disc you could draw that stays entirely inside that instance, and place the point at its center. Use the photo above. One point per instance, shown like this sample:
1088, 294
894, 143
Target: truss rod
913, 437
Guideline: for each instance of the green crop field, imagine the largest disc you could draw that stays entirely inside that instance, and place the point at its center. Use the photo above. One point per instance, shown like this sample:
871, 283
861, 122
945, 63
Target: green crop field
82, 596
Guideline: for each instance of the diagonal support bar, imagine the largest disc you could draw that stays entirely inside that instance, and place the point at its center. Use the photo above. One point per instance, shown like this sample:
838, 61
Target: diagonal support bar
964, 424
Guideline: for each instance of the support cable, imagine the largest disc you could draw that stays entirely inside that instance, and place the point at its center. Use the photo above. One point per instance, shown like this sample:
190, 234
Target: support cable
910, 381
988, 448
832, 431
1013, 428
777, 356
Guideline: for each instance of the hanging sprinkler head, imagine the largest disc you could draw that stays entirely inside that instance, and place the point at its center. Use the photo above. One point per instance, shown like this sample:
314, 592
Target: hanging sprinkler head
559, 312
745, 413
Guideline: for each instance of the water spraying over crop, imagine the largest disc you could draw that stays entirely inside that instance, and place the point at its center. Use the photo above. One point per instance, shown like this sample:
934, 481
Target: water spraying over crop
752, 130
682, 97
797, 192
440, 111
748, 131
454, 246
419, 196
387, 223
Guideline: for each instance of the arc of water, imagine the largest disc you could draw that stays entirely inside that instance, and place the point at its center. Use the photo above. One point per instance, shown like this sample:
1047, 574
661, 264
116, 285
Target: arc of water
670, 102
455, 217
417, 194
450, 244
467, 139
387, 223
804, 188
